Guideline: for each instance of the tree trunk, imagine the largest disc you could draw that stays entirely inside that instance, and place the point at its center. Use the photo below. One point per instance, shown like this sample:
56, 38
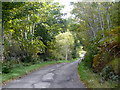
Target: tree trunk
101, 20
90, 25
66, 56
1, 42
107, 16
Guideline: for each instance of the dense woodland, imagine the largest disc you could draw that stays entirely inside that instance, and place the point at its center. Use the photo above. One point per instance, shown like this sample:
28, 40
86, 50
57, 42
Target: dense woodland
99, 33
36, 32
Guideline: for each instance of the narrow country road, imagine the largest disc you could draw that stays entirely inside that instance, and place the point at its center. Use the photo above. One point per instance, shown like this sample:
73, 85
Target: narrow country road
62, 75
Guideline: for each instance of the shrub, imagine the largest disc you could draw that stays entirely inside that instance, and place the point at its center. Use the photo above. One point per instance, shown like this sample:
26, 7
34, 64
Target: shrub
6, 67
108, 74
26, 59
88, 59
107, 53
100, 60
115, 65
97, 66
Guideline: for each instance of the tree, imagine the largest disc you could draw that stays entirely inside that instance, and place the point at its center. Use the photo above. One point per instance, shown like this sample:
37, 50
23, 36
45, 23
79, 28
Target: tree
64, 44
30, 26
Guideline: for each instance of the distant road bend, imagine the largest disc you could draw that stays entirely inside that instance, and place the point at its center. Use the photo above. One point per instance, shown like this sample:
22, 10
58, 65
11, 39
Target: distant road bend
62, 75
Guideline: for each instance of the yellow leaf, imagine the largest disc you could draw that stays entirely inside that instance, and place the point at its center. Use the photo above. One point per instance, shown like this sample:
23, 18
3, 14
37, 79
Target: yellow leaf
11, 30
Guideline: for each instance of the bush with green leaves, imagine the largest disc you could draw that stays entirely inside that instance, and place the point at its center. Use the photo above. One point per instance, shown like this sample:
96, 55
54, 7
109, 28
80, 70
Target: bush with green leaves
6, 67
108, 74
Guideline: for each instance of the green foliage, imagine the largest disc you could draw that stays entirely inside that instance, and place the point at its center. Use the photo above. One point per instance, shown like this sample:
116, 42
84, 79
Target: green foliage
114, 64
89, 59
112, 35
26, 59
36, 31
99, 32
8, 65
6, 68
115, 10
29, 27
91, 52
63, 45
94, 80
108, 74
108, 49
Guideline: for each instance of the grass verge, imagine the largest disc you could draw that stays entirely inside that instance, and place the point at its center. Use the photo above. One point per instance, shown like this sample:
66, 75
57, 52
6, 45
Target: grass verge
24, 70
92, 80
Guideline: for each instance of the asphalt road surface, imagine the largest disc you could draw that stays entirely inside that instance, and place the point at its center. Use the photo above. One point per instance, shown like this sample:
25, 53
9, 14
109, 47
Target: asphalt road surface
62, 75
